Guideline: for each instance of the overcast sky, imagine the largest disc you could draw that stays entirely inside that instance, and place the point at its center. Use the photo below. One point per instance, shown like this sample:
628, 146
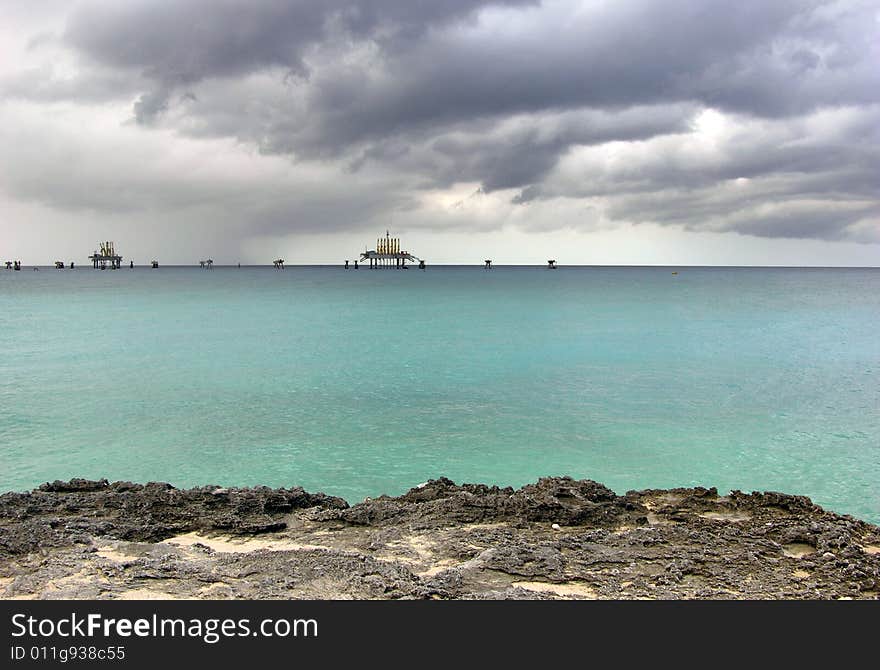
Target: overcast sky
593, 132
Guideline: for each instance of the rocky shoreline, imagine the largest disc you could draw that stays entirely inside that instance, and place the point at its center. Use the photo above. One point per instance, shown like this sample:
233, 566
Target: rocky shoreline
557, 538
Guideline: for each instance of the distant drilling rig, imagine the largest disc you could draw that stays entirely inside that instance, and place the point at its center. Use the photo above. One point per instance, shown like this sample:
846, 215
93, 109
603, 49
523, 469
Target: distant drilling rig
388, 254
107, 255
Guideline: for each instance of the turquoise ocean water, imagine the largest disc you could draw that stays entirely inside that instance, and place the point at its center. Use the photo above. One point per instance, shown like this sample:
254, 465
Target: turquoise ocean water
364, 382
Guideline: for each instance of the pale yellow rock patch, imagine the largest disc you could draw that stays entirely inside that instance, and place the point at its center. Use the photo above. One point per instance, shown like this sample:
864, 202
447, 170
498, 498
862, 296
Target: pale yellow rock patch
226, 544
798, 550
564, 589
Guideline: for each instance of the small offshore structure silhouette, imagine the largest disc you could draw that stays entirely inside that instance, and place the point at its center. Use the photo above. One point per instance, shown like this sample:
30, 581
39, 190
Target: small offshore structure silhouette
59, 265
388, 254
209, 264
488, 262
155, 264
551, 264
108, 255
278, 263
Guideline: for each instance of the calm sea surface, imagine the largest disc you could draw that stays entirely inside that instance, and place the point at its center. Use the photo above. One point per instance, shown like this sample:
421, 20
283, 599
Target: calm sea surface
364, 382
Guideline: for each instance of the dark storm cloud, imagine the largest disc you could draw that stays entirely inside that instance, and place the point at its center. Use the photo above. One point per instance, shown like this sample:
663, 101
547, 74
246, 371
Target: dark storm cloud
814, 223
178, 43
777, 58
523, 155
742, 57
840, 159
794, 178
781, 210
504, 93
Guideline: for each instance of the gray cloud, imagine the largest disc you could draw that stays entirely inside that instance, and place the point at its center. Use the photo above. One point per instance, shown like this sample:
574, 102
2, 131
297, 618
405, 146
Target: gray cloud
178, 44
522, 153
812, 177
432, 64
509, 95
737, 57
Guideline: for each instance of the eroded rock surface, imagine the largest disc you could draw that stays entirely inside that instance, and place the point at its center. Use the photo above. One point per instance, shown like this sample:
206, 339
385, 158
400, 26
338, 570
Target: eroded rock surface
557, 538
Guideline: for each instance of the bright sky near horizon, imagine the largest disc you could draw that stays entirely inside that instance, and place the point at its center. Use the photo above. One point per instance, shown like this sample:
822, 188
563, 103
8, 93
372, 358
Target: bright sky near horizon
694, 132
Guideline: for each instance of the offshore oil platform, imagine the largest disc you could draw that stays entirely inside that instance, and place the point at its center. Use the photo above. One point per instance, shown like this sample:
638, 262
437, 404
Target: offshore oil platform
388, 254
108, 255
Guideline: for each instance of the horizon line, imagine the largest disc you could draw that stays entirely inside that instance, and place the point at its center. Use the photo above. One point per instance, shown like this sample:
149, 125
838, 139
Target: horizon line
474, 265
